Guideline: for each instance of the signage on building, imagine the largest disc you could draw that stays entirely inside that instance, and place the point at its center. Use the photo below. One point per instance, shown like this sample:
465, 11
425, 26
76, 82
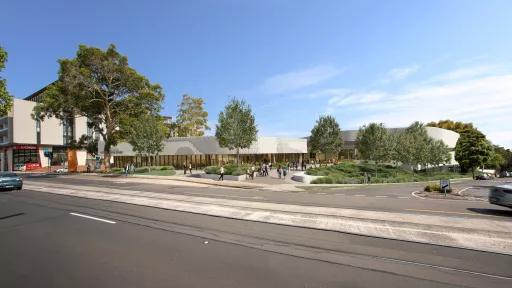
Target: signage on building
25, 147
32, 166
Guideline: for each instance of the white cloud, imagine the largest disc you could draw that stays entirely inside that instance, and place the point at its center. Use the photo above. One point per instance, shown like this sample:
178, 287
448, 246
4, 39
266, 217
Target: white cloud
295, 80
400, 73
464, 73
486, 101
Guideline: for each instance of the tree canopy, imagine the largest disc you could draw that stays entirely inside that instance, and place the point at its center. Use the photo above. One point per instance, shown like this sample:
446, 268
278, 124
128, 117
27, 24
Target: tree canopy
100, 85
326, 136
455, 126
472, 150
147, 135
373, 142
192, 119
5, 98
236, 127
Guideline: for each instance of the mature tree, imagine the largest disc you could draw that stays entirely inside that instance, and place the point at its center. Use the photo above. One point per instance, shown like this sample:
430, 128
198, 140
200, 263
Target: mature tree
87, 143
192, 119
236, 128
419, 142
438, 153
455, 126
506, 154
5, 98
472, 150
496, 160
99, 84
373, 142
326, 136
147, 135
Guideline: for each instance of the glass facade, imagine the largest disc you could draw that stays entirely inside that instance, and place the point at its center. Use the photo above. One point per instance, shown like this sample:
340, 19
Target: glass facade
68, 130
199, 161
22, 157
38, 132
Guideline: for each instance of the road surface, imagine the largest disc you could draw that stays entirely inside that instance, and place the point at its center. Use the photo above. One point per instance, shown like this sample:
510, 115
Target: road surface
51, 240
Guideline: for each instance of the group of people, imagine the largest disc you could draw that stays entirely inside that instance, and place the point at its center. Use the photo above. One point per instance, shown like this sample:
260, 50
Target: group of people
187, 167
129, 169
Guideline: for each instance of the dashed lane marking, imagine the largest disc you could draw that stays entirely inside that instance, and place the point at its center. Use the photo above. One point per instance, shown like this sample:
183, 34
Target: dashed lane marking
93, 218
381, 196
359, 195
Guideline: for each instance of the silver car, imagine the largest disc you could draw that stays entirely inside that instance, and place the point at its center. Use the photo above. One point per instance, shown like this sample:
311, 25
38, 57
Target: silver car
501, 195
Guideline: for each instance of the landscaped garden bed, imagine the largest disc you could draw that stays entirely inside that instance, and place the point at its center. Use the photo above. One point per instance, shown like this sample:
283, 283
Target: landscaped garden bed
354, 173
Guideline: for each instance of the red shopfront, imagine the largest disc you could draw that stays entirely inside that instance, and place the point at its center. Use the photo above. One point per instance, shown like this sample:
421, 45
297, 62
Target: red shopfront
25, 157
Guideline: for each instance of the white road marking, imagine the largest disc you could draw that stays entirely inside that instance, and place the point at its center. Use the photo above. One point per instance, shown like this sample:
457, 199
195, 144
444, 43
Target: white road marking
359, 195
340, 194
448, 212
460, 191
223, 195
93, 218
404, 197
381, 196
322, 193
413, 193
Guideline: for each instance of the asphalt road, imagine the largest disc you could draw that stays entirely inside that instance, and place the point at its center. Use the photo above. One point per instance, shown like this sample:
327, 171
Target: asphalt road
391, 197
43, 245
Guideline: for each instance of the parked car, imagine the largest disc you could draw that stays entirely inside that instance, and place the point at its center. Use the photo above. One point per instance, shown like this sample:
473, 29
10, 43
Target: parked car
501, 195
504, 174
62, 170
10, 181
483, 177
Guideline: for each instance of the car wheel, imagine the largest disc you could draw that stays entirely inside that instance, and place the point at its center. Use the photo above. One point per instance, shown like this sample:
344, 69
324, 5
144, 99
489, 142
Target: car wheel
19, 188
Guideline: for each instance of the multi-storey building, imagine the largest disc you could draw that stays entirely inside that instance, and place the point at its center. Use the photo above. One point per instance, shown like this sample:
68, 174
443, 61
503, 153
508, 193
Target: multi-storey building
24, 140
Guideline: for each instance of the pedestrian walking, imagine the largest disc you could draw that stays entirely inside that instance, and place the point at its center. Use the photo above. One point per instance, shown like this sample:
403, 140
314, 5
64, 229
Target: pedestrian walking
253, 171
190, 167
285, 171
266, 170
221, 177
184, 168
279, 171
270, 166
126, 169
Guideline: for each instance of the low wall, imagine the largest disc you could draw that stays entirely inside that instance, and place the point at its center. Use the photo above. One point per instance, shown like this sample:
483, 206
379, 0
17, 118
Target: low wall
304, 178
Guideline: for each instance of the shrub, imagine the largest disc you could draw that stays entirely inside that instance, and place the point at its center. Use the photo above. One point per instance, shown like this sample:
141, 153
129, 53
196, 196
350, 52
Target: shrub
229, 169
432, 187
323, 180
212, 170
116, 170
142, 170
167, 168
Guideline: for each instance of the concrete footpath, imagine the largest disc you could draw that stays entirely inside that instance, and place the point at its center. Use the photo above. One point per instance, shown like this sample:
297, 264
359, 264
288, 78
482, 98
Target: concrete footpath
478, 234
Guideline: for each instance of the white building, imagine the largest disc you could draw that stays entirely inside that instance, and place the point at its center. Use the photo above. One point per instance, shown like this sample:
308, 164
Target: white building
205, 151
24, 140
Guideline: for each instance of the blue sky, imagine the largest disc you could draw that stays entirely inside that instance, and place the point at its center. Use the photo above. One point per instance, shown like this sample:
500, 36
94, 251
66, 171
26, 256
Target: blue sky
360, 61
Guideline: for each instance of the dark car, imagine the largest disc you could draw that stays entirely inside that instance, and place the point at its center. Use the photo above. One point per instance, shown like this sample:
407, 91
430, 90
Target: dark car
10, 181
501, 195
483, 177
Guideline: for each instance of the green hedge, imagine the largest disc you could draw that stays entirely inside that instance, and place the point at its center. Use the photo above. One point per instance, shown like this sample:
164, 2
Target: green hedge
229, 169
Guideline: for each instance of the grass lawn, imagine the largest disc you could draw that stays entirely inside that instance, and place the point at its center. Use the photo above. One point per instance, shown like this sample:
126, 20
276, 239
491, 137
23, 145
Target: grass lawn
353, 173
158, 172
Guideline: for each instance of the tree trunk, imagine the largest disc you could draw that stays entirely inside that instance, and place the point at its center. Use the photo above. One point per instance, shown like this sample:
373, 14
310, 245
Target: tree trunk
237, 156
106, 160
473, 172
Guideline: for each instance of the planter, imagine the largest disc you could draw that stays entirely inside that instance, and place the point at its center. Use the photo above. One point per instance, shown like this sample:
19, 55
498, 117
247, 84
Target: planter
226, 177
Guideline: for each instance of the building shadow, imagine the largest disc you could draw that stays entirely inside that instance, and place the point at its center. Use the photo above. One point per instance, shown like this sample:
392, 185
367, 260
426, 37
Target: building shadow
492, 212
